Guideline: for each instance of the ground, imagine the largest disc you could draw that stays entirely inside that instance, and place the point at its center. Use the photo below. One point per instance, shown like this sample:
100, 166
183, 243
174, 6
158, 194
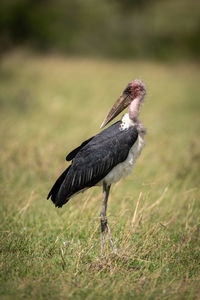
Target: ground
48, 106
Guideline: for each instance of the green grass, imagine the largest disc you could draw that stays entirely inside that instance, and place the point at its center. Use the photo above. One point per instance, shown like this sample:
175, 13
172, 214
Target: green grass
48, 105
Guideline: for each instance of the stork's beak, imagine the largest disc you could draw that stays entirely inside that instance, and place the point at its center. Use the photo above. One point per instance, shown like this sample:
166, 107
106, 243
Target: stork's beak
121, 103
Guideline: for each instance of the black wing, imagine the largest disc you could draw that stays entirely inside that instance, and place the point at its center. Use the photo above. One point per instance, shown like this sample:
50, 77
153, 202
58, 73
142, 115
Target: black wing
73, 153
93, 161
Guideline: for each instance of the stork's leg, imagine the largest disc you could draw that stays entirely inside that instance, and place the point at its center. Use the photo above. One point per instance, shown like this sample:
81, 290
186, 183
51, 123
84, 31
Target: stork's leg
103, 217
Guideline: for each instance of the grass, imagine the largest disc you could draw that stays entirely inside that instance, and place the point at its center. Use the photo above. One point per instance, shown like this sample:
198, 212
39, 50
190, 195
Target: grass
48, 105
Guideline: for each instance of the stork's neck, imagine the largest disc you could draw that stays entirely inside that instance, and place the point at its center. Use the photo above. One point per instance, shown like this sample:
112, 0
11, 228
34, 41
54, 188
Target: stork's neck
134, 110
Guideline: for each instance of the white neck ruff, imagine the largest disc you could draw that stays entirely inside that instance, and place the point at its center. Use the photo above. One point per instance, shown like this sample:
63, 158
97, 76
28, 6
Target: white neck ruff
126, 122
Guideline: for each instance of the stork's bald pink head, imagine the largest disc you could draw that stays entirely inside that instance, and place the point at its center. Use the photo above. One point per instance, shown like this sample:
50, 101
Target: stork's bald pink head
135, 90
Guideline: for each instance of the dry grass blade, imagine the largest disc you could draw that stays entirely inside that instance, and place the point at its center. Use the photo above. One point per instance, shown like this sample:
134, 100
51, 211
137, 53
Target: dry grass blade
24, 208
157, 202
135, 215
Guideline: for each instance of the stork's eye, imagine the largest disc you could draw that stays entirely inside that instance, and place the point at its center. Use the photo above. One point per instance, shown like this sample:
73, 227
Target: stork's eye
127, 90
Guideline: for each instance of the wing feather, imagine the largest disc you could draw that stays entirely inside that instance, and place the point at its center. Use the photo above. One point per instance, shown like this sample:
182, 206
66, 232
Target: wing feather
73, 153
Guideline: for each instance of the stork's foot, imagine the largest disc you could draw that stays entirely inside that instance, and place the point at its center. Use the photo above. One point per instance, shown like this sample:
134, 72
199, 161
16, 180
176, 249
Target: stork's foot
111, 240
105, 229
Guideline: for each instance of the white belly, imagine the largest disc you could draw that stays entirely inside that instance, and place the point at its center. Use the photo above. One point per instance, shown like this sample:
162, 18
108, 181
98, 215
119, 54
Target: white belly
125, 168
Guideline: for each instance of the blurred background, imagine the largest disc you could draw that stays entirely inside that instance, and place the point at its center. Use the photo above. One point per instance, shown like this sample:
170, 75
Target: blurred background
160, 29
63, 63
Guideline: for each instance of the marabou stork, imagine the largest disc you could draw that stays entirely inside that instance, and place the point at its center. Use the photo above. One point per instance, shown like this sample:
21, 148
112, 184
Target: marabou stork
106, 157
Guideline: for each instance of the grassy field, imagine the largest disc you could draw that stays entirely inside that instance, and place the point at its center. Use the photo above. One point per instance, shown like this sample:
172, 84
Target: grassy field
48, 106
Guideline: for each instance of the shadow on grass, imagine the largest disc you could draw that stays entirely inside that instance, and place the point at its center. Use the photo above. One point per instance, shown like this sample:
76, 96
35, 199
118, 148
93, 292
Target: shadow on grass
113, 261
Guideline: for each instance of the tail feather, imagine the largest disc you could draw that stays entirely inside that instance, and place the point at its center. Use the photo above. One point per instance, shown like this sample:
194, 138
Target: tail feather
56, 187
